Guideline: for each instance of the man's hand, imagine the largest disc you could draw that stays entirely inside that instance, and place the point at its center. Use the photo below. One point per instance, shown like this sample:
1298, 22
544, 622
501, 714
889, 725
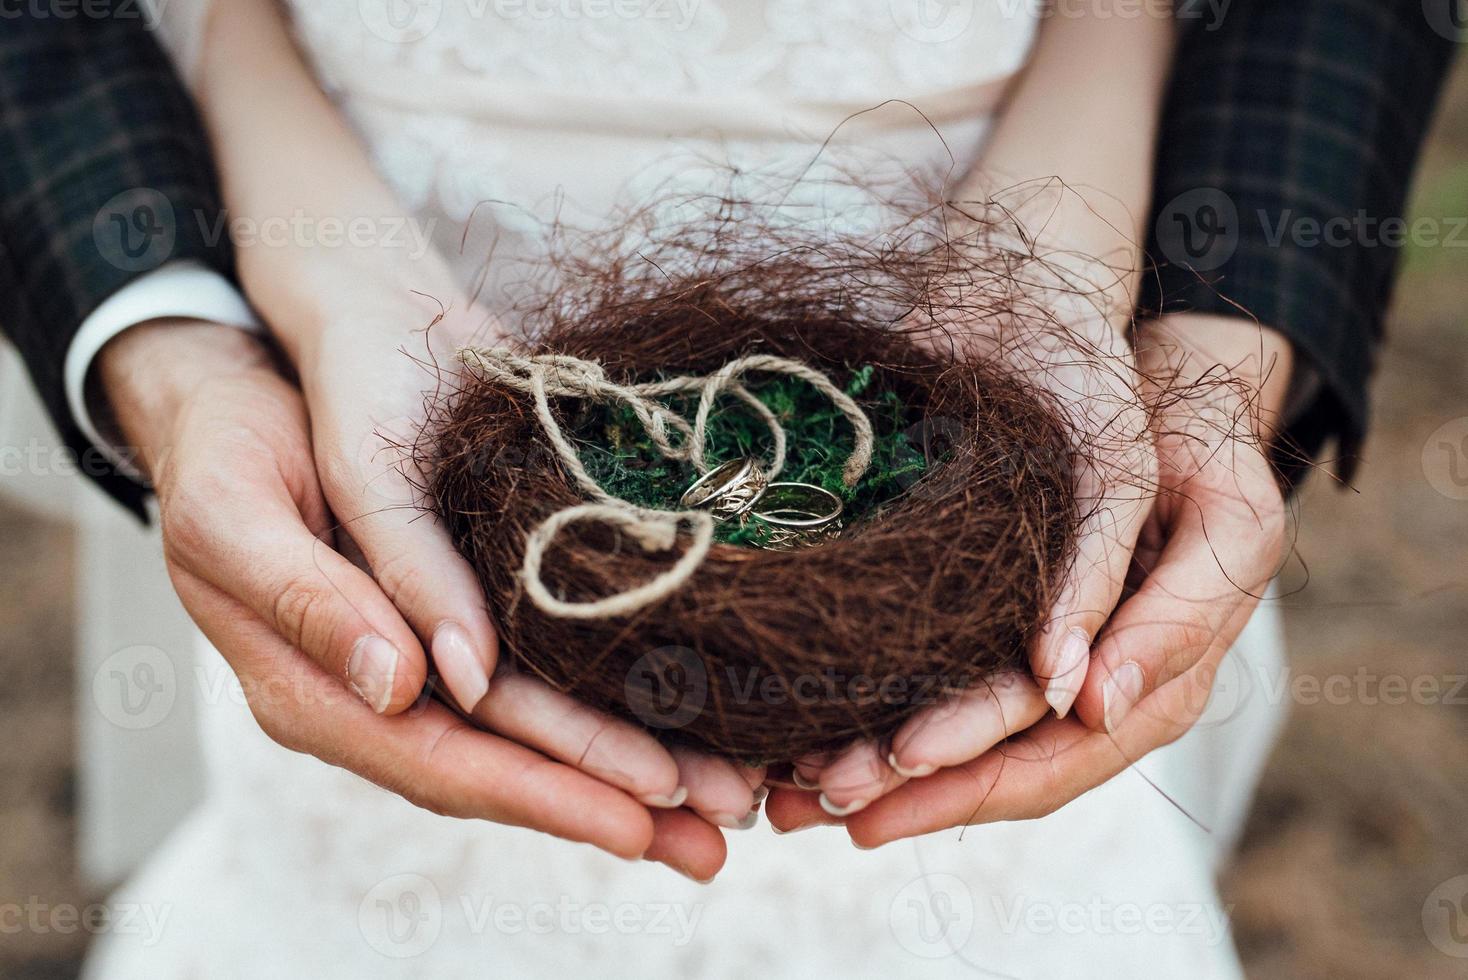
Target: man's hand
248, 539
1210, 544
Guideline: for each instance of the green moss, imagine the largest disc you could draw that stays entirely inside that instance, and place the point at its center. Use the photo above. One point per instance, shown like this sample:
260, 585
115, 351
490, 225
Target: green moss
617, 452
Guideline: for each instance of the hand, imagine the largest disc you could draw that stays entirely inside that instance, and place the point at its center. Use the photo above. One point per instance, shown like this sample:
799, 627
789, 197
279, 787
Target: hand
1070, 342
1210, 545
248, 541
351, 317
368, 372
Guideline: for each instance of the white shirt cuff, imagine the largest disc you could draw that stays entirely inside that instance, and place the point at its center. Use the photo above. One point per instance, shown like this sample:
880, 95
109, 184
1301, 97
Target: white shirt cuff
186, 289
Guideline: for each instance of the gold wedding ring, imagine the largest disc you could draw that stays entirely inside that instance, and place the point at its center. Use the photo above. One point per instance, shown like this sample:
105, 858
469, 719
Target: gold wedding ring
797, 515
727, 491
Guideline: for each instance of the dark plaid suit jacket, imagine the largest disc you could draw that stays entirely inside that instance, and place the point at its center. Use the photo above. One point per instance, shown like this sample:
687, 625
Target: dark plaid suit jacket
105, 174
1280, 110
1286, 117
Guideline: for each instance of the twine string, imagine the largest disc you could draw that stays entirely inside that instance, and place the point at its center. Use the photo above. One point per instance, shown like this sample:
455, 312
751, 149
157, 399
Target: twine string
543, 376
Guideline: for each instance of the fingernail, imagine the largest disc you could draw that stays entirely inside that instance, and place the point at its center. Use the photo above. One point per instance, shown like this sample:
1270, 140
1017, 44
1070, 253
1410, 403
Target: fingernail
1120, 693
916, 772
801, 781
1064, 685
667, 801
842, 811
862, 847
791, 830
370, 671
736, 821
458, 665
760, 792
691, 876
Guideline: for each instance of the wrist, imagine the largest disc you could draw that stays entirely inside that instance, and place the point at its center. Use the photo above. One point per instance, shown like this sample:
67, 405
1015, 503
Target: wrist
1255, 362
147, 375
371, 292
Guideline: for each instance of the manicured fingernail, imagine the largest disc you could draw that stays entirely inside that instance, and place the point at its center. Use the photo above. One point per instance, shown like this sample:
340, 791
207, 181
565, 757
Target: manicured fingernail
760, 792
370, 671
458, 665
842, 811
1064, 683
691, 876
667, 801
1120, 693
801, 781
736, 821
916, 772
863, 847
791, 830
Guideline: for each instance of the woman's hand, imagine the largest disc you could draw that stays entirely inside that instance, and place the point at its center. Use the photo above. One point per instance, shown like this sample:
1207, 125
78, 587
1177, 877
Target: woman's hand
248, 537
1210, 544
1063, 186
1067, 339
371, 325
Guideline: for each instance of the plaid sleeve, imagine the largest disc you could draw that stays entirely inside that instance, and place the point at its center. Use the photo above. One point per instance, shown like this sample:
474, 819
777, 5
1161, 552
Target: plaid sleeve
1287, 148
105, 175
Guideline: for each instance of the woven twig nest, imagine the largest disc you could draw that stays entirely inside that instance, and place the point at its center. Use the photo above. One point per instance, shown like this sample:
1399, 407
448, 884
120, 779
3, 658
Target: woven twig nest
765, 656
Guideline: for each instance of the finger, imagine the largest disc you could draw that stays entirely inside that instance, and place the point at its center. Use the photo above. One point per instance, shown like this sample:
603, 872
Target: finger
1060, 655
780, 776
717, 789
754, 776
688, 844
255, 547
1021, 777
413, 559
1091, 370
805, 772
789, 810
1039, 771
1216, 563
428, 756
855, 778
966, 725
529, 711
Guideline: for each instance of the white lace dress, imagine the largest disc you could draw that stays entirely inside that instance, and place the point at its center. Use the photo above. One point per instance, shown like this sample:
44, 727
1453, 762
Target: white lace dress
292, 868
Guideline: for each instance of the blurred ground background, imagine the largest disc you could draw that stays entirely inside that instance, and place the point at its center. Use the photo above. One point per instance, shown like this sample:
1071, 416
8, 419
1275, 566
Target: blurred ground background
1364, 810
